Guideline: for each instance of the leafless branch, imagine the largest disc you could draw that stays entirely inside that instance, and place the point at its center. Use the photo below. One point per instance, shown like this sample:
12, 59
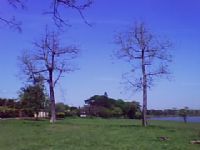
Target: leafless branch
16, 3
55, 12
69, 4
12, 23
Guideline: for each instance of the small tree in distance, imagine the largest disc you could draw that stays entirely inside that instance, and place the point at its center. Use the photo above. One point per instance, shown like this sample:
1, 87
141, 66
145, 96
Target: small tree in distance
50, 61
32, 97
148, 57
183, 113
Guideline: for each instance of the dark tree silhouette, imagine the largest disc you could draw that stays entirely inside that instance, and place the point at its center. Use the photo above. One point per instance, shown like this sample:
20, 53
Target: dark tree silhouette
50, 61
148, 56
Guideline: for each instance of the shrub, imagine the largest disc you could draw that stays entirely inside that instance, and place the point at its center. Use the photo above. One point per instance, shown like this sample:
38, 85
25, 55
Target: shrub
68, 114
105, 113
6, 112
27, 113
60, 115
138, 115
117, 112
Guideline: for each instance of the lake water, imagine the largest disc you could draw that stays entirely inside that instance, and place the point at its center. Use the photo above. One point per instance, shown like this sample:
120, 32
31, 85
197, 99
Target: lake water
180, 119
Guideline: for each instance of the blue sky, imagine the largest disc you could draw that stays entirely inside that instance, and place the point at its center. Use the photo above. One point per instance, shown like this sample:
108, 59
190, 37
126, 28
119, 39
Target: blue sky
99, 72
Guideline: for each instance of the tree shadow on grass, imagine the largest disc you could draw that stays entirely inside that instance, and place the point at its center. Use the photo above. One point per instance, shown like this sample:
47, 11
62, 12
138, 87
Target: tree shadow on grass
130, 126
160, 127
154, 127
33, 119
33, 122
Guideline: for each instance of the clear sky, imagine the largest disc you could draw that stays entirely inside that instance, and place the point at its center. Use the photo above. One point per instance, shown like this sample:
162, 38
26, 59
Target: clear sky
99, 72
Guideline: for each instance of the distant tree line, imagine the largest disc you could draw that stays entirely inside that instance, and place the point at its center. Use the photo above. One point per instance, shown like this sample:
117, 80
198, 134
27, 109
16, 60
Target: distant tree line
96, 106
13, 108
9, 108
27, 106
101, 106
63, 110
105, 107
32, 100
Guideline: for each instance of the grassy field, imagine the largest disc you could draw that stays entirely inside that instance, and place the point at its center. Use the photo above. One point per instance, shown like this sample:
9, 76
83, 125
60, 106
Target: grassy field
96, 134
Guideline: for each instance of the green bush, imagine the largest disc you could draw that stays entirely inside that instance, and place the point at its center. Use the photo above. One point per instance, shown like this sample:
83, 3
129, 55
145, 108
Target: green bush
27, 113
105, 113
138, 115
60, 115
68, 114
6, 112
117, 112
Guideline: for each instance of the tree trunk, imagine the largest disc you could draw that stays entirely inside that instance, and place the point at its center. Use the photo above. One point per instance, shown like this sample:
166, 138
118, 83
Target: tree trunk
185, 119
37, 114
52, 98
144, 118
144, 87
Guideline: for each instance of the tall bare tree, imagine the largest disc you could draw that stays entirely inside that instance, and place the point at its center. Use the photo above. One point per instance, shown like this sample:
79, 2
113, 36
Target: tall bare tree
49, 60
55, 7
148, 56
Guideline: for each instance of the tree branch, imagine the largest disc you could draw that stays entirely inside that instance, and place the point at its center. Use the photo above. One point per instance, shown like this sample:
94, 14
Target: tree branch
70, 4
12, 23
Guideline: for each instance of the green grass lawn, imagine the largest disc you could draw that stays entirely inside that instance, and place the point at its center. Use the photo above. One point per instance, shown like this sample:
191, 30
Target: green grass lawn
96, 134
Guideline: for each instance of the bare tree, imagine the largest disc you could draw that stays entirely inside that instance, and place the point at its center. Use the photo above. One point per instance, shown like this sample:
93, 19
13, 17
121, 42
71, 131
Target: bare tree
148, 57
50, 61
54, 10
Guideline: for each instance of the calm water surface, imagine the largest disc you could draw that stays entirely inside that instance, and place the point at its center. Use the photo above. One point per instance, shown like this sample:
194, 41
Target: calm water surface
189, 119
